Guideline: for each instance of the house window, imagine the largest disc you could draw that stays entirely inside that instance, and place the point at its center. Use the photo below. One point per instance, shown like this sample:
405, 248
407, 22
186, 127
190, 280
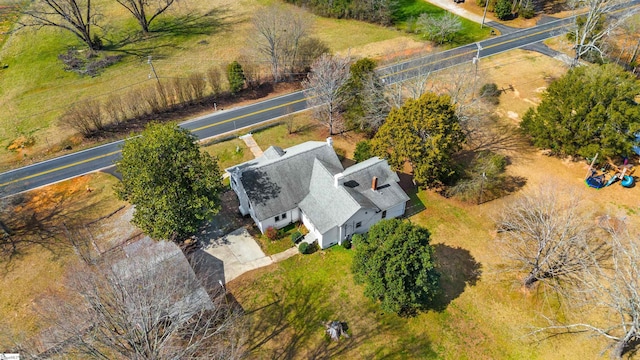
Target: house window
384, 214
278, 218
284, 216
358, 224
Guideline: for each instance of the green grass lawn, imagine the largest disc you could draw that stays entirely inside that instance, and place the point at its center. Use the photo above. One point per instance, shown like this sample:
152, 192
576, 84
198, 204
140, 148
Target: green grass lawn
407, 9
282, 243
35, 89
230, 152
480, 314
306, 130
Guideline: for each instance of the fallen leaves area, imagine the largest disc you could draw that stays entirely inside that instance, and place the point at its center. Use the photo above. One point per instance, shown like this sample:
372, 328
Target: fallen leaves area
44, 231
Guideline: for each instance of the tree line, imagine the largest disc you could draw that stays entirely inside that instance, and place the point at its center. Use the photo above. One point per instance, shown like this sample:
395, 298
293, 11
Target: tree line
375, 11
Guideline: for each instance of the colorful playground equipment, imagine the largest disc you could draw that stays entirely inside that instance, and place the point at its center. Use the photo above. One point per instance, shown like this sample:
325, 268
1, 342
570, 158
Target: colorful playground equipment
599, 181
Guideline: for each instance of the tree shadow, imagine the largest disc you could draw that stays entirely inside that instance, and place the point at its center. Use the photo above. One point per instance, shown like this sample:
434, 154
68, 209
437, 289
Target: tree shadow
415, 205
259, 187
294, 319
165, 31
458, 269
496, 138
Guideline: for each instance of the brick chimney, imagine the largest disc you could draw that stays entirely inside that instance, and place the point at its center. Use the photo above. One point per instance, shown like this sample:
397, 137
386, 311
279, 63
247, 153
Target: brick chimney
374, 183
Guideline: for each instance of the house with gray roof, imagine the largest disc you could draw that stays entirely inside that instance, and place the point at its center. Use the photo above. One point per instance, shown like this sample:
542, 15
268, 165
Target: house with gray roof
307, 183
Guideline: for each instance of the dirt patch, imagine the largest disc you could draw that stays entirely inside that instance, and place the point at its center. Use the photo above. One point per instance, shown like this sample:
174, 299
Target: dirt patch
518, 93
393, 50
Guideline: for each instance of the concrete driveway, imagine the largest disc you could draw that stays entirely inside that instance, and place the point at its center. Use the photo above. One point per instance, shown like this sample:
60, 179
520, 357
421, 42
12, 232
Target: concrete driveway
238, 253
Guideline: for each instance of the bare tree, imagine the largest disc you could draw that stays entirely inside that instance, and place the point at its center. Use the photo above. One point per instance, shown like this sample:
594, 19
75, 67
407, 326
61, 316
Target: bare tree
439, 28
611, 288
215, 79
74, 16
279, 32
84, 116
626, 42
547, 235
149, 305
145, 11
375, 104
324, 88
590, 30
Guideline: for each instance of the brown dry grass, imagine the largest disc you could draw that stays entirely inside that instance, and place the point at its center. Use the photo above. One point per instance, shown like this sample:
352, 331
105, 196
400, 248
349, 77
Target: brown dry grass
38, 269
489, 319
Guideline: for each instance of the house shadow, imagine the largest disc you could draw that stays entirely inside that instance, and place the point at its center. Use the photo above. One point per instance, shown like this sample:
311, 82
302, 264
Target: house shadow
458, 269
209, 271
415, 205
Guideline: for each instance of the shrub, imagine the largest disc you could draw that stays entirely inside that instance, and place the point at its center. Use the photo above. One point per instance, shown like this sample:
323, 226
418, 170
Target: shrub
490, 93
309, 50
85, 117
528, 10
363, 151
197, 84
235, 75
295, 236
303, 248
214, 77
346, 244
114, 107
503, 9
271, 233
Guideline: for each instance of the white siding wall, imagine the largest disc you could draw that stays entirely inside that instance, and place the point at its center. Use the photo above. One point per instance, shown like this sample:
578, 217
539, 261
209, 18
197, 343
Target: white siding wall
237, 187
395, 211
293, 215
329, 238
307, 223
367, 217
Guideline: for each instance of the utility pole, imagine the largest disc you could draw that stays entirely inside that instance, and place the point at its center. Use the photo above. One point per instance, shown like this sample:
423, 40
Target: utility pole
481, 188
484, 16
476, 61
153, 70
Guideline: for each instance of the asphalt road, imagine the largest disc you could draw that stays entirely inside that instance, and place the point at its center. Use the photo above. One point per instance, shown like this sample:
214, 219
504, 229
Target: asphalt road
221, 122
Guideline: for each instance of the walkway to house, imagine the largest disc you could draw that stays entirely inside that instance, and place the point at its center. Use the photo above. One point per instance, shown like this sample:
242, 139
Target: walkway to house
252, 144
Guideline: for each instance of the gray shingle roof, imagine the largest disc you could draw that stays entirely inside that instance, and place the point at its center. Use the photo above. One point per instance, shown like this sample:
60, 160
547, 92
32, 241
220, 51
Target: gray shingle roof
303, 176
278, 184
326, 205
357, 179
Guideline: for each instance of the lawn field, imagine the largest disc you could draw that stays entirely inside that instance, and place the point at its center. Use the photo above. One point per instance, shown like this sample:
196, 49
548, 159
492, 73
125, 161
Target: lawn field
39, 267
191, 37
482, 313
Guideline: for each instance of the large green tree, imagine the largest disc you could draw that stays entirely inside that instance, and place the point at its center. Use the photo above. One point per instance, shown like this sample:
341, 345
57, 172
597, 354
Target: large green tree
395, 262
173, 185
426, 132
589, 110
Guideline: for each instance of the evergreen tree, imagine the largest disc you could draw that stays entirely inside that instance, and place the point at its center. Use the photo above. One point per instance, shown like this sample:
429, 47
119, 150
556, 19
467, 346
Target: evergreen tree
503, 9
592, 109
173, 185
395, 262
426, 133
236, 78
354, 89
